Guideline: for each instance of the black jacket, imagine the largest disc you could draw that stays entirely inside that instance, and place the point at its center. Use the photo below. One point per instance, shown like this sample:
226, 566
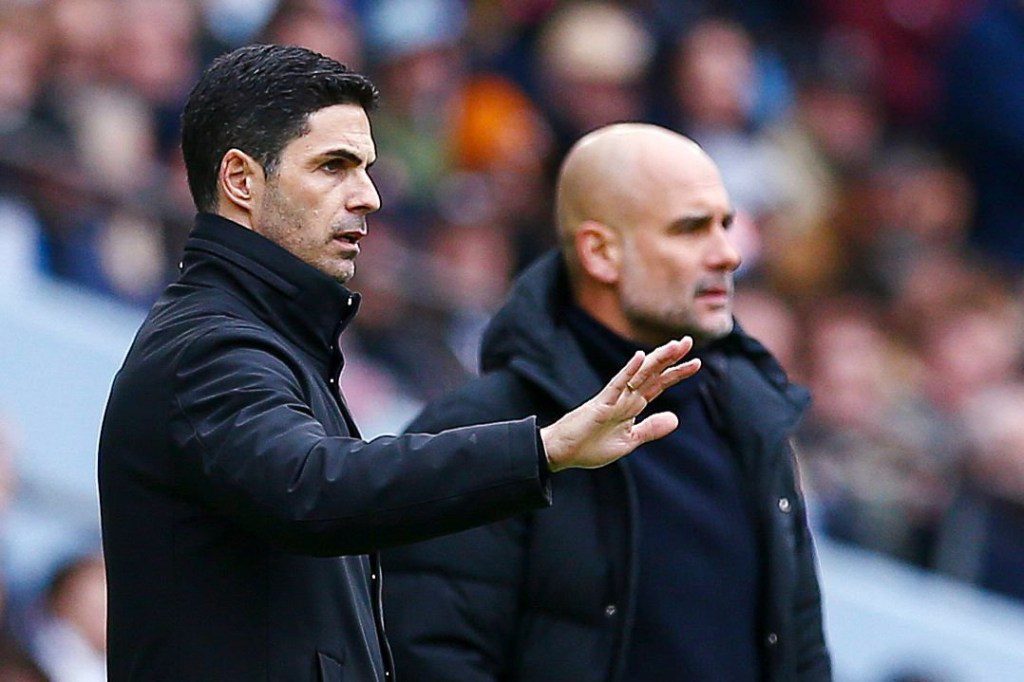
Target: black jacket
549, 595
232, 479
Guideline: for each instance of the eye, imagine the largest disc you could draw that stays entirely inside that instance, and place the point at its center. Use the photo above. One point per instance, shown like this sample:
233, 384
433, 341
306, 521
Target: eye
687, 226
333, 166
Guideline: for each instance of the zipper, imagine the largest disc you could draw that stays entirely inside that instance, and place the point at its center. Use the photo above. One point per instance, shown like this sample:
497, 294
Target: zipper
376, 578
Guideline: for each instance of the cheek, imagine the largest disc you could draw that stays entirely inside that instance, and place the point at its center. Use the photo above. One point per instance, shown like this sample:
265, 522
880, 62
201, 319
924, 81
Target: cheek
315, 212
673, 270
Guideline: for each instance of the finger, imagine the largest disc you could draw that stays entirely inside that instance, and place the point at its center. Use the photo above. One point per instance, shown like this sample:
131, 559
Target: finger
670, 377
611, 392
660, 359
654, 427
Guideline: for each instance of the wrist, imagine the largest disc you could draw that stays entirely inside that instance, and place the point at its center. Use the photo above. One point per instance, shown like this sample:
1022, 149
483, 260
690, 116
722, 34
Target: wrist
550, 443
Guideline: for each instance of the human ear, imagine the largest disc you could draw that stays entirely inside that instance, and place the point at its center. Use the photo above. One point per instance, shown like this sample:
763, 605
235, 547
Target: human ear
238, 179
599, 251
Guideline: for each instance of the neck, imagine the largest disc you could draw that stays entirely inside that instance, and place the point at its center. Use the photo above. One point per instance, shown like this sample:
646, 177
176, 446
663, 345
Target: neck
602, 304
226, 209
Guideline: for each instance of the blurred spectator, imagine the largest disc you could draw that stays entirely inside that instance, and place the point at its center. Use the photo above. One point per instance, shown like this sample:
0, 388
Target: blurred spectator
823, 149
325, 26
876, 455
985, 119
233, 23
17, 666
715, 88
475, 268
593, 59
70, 643
915, 205
397, 330
420, 65
503, 137
983, 539
970, 345
24, 52
903, 41
771, 321
84, 32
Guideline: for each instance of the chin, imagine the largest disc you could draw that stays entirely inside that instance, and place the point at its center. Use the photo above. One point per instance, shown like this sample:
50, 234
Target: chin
717, 329
339, 272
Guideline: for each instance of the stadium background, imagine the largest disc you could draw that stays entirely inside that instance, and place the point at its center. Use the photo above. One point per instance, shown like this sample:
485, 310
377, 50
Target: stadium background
873, 149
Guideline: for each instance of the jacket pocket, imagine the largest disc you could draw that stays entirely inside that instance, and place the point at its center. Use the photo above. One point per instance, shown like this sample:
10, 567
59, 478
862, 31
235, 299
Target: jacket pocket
330, 667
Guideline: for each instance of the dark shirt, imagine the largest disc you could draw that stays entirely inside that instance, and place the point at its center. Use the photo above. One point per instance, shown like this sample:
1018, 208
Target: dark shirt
699, 583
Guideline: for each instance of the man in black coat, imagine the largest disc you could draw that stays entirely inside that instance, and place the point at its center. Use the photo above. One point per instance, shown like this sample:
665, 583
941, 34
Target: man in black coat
690, 561
239, 506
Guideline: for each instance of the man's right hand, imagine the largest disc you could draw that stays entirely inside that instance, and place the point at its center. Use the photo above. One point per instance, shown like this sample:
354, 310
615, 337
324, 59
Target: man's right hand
604, 428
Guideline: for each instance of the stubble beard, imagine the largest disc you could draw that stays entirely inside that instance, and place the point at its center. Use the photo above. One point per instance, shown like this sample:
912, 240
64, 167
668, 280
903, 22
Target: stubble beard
284, 225
657, 321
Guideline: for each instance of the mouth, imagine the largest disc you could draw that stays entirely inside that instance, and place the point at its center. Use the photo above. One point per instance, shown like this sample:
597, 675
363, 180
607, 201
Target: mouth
349, 241
715, 295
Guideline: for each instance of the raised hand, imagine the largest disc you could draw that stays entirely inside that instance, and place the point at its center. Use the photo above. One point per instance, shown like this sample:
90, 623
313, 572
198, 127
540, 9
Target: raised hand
604, 428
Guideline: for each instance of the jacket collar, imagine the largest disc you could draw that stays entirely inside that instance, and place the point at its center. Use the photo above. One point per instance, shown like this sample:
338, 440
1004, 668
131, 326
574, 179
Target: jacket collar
530, 335
295, 299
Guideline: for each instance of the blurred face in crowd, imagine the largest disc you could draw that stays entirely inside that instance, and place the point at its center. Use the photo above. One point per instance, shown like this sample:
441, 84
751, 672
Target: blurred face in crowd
996, 436
715, 74
323, 26
82, 603
314, 201
650, 220
677, 260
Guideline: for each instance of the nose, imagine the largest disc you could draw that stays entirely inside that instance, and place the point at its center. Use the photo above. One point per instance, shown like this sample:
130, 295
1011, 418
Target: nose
722, 254
364, 198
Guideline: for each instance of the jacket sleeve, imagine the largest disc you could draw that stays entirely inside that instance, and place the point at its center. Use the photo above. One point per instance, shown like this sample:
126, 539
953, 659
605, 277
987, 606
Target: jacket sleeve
451, 604
252, 449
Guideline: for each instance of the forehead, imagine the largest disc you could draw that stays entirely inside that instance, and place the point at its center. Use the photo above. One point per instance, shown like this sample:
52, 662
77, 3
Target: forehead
678, 185
340, 126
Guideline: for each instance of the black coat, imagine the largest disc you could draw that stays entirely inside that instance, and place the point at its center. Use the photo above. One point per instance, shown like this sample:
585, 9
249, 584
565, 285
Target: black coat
232, 480
549, 595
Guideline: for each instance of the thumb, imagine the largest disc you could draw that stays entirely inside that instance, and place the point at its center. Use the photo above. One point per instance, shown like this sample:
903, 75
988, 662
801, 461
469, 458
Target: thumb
654, 427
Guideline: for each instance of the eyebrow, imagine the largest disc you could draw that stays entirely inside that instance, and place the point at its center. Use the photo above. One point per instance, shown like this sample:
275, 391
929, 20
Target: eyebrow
346, 155
690, 222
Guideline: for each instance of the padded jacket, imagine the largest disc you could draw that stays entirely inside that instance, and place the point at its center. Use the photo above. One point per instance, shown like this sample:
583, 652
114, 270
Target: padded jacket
241, 512
549, 595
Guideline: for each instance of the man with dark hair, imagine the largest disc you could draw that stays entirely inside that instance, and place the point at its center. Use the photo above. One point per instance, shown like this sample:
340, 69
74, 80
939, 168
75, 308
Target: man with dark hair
259, 99
239, 505
690, 561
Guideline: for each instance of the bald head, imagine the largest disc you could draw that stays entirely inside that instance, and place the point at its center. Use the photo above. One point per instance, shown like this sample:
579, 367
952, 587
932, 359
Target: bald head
642, 216
613, 173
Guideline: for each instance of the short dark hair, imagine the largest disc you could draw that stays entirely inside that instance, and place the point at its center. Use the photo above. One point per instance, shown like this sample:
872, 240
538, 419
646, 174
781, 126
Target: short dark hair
257, 99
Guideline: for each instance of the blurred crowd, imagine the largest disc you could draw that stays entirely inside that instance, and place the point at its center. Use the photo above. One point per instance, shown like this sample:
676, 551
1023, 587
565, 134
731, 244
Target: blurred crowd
874, 151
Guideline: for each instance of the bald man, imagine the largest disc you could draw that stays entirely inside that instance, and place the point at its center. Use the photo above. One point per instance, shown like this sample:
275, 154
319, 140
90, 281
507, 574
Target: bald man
690, 561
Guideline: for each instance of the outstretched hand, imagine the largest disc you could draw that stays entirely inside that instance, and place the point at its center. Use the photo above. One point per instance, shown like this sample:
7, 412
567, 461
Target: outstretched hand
604, 428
